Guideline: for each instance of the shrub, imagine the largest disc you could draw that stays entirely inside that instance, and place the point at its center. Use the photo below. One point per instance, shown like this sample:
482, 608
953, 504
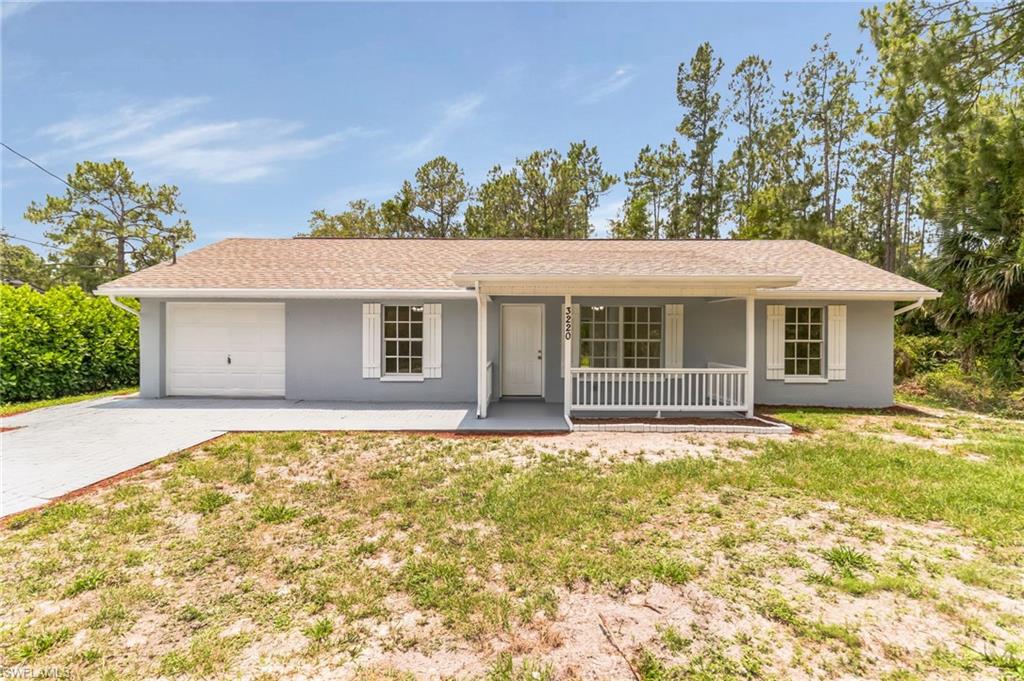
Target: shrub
915, 355
948, 385
63, 342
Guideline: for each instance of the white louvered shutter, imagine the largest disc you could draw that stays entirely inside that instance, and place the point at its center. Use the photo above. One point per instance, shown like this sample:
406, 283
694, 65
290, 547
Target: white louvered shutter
673, 336
837, 342
775, 343
371, 340
432, 340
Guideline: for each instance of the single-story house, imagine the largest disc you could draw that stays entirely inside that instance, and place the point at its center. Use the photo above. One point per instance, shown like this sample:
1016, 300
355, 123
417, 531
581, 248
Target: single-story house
604, 327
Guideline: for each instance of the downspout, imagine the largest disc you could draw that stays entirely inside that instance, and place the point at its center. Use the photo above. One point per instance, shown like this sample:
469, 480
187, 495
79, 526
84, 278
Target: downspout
118, 303
908, 308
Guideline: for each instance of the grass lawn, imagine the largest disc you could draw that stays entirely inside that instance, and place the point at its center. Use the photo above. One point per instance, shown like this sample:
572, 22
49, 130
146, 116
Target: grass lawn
12, 408
886, 545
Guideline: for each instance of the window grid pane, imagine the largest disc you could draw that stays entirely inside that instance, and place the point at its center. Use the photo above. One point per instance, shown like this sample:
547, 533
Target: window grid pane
803, 341
642, 331
403, 340
628, 336
599, 336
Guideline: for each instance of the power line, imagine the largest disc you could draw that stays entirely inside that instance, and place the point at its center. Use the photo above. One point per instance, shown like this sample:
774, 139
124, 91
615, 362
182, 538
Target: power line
55, 176
5, 235
23, 156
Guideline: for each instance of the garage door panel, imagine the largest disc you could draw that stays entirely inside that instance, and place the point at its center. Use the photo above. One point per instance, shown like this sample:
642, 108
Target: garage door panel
247, 360
201, 337
213, 380
185, 360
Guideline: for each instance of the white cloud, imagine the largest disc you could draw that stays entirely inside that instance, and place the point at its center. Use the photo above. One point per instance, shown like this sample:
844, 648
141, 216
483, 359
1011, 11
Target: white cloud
88, 132
455, 115
609, 85
230, 152
159, 136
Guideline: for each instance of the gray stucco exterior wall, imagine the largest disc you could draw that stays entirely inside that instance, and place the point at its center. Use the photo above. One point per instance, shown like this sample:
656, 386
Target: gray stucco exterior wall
324, 353
869, 372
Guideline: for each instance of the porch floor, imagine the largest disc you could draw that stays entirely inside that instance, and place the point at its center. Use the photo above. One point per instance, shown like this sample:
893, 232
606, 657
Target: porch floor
518, 415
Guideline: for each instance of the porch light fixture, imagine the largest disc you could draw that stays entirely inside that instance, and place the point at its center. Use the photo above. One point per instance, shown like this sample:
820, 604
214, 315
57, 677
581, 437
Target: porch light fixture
597, 308
417, 308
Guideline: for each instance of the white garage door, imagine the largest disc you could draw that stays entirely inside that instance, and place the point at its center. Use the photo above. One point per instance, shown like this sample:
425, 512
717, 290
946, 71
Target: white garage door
225, 349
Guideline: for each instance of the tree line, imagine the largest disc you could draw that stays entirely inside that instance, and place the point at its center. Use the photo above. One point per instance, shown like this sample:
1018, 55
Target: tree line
912, 161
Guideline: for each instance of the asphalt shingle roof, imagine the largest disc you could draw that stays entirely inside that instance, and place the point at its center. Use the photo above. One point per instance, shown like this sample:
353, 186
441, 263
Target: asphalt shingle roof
262, 264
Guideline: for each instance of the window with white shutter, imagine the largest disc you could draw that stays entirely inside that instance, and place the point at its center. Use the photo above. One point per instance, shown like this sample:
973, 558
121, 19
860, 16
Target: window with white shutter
403, 340
804, 340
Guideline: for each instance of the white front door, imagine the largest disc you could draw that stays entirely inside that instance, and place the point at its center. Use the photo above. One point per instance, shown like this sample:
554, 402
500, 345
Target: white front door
522, 350
225, 349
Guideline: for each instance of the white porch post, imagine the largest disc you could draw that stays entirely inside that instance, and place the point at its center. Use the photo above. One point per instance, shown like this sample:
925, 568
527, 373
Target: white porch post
567, 325
749, 384
481, 353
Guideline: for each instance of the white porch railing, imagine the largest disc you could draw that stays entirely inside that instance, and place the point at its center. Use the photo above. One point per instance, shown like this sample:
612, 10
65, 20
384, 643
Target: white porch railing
711, 389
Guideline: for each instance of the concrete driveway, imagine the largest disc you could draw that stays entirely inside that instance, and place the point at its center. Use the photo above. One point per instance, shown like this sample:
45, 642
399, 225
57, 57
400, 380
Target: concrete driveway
57, 450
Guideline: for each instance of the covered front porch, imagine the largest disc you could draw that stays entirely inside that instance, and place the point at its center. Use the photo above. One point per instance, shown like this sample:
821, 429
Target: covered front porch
652, 353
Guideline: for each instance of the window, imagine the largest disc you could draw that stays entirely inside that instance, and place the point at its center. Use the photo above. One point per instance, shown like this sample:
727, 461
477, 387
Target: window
641, 334
803, 341
403, 340
614, 336
599, 336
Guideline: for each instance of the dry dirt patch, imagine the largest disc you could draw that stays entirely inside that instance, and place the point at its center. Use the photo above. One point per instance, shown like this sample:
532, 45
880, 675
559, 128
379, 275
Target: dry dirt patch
328, 558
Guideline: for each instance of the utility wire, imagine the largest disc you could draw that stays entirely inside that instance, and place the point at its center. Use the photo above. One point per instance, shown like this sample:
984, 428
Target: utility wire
5, 235
54, 176
23, 156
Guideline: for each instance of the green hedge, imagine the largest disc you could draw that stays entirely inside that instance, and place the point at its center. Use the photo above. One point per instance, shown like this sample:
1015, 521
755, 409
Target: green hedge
63, 342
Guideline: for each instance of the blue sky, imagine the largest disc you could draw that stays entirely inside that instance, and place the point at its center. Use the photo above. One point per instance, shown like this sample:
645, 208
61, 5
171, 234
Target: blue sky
262, 112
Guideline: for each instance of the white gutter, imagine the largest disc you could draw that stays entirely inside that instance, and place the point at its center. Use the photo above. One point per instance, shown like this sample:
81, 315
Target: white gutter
289, 293
908, 308
845, 295
118, 303
470, 293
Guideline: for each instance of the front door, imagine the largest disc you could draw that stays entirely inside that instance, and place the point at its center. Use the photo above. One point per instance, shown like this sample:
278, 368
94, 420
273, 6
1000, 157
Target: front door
522, 350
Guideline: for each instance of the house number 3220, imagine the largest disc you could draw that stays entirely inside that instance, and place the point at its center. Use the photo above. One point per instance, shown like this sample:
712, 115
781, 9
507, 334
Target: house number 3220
568, 322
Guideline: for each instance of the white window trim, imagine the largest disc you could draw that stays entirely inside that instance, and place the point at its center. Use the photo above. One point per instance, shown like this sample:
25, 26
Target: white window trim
620, 342
402, 378
399, 378
806, 378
